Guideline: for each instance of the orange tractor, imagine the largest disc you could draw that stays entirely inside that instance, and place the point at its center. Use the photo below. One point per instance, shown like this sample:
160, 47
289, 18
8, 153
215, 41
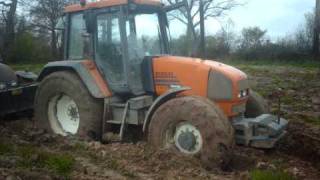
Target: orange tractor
119, 76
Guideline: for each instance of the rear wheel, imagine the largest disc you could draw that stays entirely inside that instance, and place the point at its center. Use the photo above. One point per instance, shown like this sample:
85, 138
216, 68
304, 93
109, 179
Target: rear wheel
256, 106
64, 106
193, 126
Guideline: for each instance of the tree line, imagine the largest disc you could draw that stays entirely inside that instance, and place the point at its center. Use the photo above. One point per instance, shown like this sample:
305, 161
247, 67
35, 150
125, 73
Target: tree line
28, 33
27, 30
253, 43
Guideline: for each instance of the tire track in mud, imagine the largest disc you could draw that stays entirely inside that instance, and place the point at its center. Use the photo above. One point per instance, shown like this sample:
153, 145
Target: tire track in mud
302, 141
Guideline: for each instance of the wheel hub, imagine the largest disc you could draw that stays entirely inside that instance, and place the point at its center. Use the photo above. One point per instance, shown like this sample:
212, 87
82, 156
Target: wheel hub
188, 139
73, 112
64, 115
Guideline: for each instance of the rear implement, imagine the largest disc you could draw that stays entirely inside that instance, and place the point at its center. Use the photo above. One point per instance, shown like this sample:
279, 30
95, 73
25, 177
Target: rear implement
17, 90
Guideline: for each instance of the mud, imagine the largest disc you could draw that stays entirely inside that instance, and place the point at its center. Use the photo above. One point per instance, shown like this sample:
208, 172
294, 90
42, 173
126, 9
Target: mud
300, 104
26, 152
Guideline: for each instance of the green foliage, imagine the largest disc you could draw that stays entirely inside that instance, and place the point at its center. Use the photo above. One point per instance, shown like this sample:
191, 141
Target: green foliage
29, 49
254, 45
220, 45
36, 68
5, 148
270, 175
268, 63
252, 37
182, 46
26, 152
61, 164
312, 120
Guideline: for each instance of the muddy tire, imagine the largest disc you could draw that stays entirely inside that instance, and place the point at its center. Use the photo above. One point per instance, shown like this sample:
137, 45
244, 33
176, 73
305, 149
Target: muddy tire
64, 106
256, 106
213, 134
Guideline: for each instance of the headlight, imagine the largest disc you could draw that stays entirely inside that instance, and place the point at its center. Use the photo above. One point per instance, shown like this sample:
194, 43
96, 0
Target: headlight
243, 93
244, 87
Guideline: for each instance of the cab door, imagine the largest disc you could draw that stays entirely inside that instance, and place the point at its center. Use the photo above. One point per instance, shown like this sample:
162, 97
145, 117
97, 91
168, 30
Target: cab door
110, 51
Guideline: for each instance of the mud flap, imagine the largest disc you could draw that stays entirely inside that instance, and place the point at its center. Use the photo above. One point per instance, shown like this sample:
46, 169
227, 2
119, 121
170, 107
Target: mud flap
261, 132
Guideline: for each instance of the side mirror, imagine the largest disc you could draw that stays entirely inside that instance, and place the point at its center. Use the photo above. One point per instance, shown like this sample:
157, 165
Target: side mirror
90, 21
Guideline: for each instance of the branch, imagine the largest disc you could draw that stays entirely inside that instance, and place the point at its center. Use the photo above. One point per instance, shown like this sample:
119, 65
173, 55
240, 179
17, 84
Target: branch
178, 18
4, 3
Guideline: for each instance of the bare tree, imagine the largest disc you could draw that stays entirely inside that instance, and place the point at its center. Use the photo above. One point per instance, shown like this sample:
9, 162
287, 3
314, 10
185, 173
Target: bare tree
9, 9
316, 30
46, 15
211, 9
304, 35
253, 37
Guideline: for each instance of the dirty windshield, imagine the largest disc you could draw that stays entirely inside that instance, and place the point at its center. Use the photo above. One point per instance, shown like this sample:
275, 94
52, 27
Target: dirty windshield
143, 34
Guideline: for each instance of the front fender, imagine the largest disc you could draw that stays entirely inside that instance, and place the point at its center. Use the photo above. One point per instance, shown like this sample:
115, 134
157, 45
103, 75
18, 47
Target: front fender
86, 70
161, 100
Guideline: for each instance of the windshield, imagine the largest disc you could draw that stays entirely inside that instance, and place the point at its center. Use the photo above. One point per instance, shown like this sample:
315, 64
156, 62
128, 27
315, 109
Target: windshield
143, 34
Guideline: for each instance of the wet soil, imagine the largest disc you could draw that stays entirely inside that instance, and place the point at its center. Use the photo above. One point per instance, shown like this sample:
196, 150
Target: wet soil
29, 153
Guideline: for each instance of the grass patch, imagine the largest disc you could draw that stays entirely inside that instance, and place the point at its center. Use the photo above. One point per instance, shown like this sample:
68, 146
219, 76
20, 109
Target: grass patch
60, 164
6, 148
26, 152
312, 120
304, 63
33, 157
36, 68
79, 147
270, 175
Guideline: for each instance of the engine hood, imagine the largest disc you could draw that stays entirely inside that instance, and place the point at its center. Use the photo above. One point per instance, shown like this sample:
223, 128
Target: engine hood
192, 72
231, 72
219, 82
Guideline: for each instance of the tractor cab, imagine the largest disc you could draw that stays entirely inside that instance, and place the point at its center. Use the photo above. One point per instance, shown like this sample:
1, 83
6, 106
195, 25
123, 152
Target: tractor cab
120, 36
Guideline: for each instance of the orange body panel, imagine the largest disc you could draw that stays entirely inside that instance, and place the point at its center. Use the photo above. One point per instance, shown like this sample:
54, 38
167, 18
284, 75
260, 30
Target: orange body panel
107, 3
179, 71
194, 73
93, 70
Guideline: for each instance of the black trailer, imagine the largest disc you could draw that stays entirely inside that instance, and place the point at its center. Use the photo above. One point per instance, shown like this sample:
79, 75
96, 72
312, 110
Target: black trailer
17, 90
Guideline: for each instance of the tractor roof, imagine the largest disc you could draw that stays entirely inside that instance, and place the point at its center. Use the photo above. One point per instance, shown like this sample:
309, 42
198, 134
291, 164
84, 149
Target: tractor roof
108, 3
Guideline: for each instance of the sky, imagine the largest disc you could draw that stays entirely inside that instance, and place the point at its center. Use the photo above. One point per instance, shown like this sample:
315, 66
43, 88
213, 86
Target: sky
279, 17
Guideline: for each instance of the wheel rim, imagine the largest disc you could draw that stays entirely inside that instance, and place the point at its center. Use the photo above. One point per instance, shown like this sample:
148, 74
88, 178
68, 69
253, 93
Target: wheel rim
63, 115
188, 139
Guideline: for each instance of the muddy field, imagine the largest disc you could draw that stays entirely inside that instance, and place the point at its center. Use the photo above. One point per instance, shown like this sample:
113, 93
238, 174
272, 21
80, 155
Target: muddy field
28, 153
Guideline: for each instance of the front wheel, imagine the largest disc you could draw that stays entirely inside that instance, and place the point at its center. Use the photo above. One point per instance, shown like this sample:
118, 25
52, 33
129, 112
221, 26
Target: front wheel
64, 106
193, 126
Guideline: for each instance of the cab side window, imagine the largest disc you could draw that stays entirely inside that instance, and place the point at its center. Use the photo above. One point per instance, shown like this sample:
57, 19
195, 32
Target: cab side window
76, 41
108, 47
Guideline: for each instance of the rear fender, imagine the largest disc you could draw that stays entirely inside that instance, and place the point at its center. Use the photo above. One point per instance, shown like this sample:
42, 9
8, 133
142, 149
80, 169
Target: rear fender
161, 100
86, 70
